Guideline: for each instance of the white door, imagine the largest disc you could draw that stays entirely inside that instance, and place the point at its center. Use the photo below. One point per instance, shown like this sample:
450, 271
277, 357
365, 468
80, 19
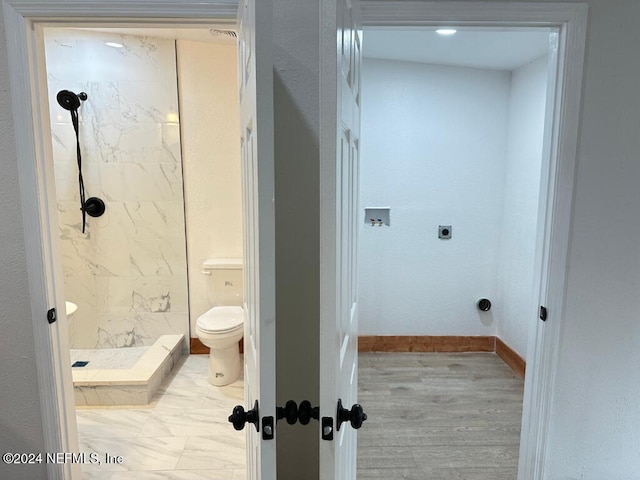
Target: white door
255, 77
341, 41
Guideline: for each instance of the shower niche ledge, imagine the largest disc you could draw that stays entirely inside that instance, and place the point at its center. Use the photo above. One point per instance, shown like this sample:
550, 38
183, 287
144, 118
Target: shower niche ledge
128, 386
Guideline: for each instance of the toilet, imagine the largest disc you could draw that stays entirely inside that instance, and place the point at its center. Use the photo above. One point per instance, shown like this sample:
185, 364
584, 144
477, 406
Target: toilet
221, 327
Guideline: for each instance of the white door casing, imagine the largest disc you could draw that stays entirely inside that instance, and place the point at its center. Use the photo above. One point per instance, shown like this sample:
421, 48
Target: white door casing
341, 41
255, 77
28, 84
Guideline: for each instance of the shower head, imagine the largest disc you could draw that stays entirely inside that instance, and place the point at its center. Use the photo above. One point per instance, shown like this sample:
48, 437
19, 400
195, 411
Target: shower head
69, 100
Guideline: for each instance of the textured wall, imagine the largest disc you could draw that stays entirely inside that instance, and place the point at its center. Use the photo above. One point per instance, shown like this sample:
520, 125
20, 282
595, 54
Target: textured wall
21, 428
433, 149
595, 421
128, 272
208, 86
515, 307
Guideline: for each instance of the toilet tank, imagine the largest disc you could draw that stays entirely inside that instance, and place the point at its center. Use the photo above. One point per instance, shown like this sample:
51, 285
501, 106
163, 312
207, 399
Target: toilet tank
225, 281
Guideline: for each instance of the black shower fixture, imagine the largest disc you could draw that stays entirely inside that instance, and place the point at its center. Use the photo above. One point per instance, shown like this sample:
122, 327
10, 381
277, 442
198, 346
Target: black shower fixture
93, 206
69, 100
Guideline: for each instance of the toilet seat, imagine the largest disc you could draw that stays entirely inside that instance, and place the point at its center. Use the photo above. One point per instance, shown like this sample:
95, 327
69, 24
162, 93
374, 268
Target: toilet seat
221, 320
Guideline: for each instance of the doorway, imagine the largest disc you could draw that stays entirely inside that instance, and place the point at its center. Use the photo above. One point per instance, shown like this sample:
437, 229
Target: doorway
455, 130
158, 133
379, 221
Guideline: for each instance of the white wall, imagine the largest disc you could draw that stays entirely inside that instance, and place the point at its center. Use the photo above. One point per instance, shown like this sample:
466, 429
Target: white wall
127, 273
433, 149
515, 307
209, 120
595, 416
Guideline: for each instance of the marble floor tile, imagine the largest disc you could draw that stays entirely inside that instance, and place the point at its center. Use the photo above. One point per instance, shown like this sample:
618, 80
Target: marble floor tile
226, 452
110, 423
173, 437
188, 423
96, 475
177, 475
139, 453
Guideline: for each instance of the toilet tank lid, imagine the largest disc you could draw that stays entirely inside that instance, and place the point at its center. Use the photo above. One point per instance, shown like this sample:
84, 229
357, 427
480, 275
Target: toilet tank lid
222, 264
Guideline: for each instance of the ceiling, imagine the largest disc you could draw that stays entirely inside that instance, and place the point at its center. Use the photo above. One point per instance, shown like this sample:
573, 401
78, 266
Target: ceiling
489, 49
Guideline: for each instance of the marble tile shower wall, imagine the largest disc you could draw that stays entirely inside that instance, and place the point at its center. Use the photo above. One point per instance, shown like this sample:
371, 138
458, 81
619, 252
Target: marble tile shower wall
127, 273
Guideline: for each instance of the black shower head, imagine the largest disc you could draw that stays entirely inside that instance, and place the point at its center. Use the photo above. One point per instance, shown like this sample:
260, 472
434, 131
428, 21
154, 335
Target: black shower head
69, 100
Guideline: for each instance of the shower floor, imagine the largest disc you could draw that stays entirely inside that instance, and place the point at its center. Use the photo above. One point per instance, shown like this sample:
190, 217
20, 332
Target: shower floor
124, 376
107, 358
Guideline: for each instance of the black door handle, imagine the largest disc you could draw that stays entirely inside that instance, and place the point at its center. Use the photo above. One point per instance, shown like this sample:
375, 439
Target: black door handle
306, 412
355, 416
289, 412
239, 417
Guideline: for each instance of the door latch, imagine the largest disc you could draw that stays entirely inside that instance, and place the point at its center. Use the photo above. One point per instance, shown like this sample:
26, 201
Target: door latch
267, 428
51, 315
327, 428
543, 313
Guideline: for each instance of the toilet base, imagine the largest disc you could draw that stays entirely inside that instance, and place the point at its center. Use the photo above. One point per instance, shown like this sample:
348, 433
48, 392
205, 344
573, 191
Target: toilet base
225, 365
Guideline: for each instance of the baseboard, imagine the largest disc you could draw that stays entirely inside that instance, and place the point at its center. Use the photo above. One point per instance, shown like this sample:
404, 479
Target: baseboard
511, 358
448, 343
425, 343
420, 343
196, 347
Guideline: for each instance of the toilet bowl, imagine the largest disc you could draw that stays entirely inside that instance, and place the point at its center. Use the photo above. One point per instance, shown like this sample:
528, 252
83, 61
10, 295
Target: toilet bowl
220, 329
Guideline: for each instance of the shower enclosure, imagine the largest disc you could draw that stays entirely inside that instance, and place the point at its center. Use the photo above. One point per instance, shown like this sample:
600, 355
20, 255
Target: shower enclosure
128, 271
170, 182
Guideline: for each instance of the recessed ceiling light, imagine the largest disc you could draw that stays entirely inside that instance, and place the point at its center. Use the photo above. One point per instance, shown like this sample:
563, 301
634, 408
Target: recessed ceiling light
446, 31
114, 44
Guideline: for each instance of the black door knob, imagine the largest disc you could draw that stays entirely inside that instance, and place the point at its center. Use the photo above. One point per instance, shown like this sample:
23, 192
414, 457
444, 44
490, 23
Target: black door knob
306, 412
239, 417
355, 416
289, 412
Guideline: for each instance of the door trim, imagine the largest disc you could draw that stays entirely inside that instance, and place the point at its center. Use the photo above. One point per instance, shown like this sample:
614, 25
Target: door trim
561, 140
25, 48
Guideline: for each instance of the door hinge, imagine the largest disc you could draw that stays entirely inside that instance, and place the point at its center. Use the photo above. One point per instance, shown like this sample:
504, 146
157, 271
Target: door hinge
52, 316
543, 313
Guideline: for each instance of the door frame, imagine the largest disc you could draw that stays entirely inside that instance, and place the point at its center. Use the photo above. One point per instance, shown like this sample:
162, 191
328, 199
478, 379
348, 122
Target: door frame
23, 20
556, 200
38, 208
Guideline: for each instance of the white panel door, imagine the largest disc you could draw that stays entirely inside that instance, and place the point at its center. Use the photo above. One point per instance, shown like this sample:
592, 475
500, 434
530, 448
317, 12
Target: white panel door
341, 40
256, 126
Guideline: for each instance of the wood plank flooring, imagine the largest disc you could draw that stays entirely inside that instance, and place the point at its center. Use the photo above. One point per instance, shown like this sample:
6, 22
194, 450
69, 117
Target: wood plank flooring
438, 416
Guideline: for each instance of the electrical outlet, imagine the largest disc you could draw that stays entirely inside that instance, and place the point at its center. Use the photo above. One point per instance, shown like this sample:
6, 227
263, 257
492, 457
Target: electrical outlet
444, 232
